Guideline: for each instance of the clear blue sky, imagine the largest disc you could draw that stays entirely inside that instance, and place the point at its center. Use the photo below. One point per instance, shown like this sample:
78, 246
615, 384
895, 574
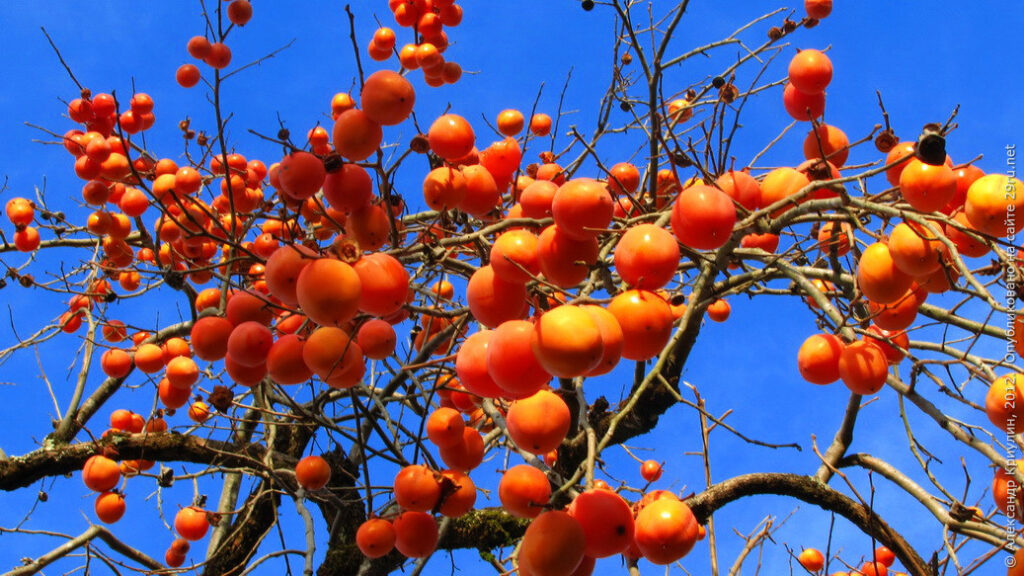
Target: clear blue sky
925, 58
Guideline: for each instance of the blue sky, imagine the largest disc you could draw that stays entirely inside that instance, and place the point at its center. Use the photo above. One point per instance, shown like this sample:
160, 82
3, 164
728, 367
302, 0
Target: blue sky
925, 58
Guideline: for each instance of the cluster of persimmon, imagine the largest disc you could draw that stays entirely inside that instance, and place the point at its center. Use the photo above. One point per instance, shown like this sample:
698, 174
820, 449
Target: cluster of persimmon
880, 564
302, 310
427, 18
216, 55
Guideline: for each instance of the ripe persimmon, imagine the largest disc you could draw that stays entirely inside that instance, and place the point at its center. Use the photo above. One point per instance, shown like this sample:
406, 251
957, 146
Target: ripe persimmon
375, 538
493, 300
830, 140
818, 358
1004, 402
417, 488
511, 362
650, 470
863, 367
611, 339
703, 217
514, 256
904, 150
334, 356
116, 363
451, 137
811, 559
818, 9
444, 187
377, 339
301, 174
539, 422
646, 321
582, 208
349, 188
209, 337
109, 507
741, 187
384, 284
810, 71
329, 291
219, 56
607, 522
510, 122
567, 342
284, 361
356, 136
471, 365
779, 184
802, 106
554, 543
565, 261
313, 473
925, 187
249, 344
878, 277
482, 193
191, 523
623, 178
444, 427
467, 454
458, 494
989, 199
524, 491
182, 372
540, 124
100, 473
665, 531
646, 256
387, 97
835, 237
187, 75
415, 534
